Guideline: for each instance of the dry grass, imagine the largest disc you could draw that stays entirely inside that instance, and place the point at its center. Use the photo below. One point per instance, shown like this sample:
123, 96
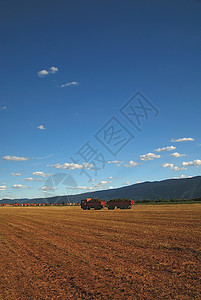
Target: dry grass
149, 252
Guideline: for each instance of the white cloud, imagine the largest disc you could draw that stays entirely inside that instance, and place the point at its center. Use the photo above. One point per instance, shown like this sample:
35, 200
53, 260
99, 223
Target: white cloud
15, 158
68, 166
168, 165
42, 73
100, 185
131, 164
103, 182
45, 188
2, 187
183, 140
73, 83
117, 163
149, 156
169, 148
196, 162
4, 107
85, 188
42, 174
172, 167
73, 166
180, 177
41, 127
176, 154
127, 183
110, 187
82, 187
87, 165
51, 70
20, 186
28, 179
16, 174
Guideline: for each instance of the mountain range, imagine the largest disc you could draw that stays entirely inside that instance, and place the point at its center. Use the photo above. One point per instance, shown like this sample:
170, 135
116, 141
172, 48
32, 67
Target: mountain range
185, 188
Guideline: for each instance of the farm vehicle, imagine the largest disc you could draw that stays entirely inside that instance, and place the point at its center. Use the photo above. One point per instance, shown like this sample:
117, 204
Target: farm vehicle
98, 204
120, 203
89, 203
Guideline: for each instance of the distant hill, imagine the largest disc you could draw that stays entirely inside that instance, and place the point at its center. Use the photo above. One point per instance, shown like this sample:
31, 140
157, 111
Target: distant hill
187, 188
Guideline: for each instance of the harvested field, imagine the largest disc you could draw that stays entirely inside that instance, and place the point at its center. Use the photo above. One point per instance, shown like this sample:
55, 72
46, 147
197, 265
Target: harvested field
148, 252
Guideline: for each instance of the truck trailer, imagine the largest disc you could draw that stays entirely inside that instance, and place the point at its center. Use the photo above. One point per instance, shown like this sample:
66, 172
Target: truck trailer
98, 204
89, 203
120, 203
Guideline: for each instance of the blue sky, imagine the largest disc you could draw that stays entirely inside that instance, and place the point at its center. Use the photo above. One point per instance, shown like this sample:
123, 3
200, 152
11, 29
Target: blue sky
107, 92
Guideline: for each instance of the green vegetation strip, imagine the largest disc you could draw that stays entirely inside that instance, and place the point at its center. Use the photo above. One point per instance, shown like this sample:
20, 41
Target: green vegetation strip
171, 201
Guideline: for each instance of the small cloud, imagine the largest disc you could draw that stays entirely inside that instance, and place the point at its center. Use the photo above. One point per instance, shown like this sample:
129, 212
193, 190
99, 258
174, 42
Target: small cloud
4, 107
45, 188
87, 165
181, 177
100, 184
110, 187
103, 182
2, 187
149, 156
73, 83
82, 187
28, 179
41, 127
44, 72
195, 163
172, 167
127, 183
73, 166
183, 140
42, 174
53, 69
16, 174
169, 148
20, 186
176, 154
131, 164
15, 158
117, 163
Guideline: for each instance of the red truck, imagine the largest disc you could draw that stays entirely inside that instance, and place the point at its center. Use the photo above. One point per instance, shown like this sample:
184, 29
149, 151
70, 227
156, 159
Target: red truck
120, 203
89, 203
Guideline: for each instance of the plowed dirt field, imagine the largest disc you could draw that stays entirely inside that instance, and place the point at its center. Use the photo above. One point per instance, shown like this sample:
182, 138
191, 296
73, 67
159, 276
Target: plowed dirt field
148, 252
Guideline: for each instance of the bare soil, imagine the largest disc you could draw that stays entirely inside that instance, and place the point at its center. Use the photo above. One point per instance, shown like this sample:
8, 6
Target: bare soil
148, 252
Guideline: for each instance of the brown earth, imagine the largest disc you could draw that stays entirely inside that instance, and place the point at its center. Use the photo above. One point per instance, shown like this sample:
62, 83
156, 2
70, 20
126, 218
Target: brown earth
149, 252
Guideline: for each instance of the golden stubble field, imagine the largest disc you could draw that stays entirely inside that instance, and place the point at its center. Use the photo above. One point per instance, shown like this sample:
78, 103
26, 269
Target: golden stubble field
149, 252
